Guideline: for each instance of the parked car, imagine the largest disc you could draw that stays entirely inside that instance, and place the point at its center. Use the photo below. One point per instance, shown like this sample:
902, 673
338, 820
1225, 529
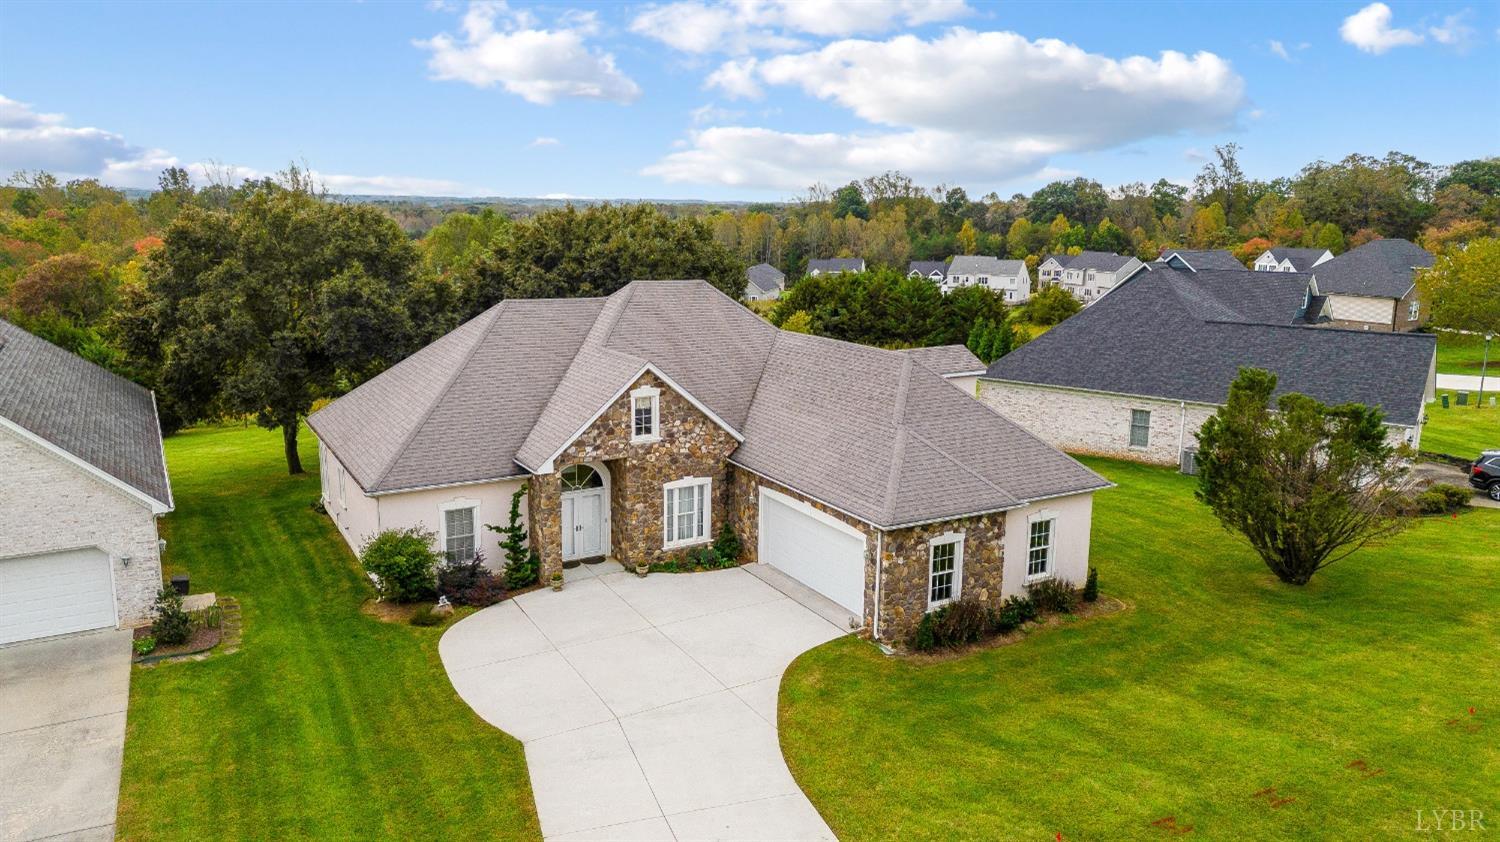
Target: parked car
1484, 474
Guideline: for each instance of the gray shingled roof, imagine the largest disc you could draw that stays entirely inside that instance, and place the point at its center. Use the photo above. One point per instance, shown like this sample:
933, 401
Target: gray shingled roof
983, 264
836, 264
765, 277
925, 268
1302, 259
1183, 336
876, 433
947, 359
1200, 260
1099, 261
1379, 268
94, 415
1062, 259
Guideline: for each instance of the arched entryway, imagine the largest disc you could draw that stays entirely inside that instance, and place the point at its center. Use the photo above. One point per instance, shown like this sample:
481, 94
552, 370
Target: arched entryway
585, 513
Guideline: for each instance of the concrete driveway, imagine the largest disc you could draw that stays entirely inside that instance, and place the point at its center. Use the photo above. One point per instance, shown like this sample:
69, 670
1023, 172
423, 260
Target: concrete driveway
648, 706
62, 735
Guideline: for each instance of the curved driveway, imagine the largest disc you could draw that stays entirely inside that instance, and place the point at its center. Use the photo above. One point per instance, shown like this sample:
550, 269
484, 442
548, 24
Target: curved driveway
648, 706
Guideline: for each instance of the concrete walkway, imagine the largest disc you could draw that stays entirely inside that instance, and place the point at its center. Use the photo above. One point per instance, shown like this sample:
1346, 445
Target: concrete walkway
648, 706
62, 735
1470, 383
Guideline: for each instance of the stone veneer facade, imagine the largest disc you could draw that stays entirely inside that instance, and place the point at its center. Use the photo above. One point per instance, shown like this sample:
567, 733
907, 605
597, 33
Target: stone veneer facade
693, 445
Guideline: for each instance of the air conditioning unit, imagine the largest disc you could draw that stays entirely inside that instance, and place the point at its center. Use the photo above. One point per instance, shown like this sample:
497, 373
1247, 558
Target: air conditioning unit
1189, 463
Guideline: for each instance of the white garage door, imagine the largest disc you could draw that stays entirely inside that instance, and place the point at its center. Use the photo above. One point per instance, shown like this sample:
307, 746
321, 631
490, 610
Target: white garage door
813, 548
58, 593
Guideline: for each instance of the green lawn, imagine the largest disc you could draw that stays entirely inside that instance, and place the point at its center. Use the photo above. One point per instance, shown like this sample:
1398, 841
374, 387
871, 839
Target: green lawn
1459, 353
1217, 684
327, 724
1461, 430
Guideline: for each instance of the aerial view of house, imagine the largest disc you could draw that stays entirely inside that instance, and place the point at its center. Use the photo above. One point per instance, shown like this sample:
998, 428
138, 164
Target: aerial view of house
1373, 286
1283, 259
764, 282
932, 270
834, 265
1008, 277
1087, 275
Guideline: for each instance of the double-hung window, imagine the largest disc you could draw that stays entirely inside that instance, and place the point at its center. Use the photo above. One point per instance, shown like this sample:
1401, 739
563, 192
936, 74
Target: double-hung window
1039, 548
645, 404
1140, 427
458, 532
687, 512
945, 562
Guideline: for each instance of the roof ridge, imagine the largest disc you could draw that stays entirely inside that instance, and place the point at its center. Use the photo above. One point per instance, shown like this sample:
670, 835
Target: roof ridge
608, 320
458, 371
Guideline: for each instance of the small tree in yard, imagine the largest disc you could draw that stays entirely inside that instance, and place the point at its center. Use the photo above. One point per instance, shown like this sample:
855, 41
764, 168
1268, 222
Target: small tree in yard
522, 566
1307, 484
404, 562
171, 625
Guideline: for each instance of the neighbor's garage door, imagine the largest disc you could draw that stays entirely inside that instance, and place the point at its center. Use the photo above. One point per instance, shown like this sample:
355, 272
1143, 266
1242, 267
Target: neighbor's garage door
814, 548
43, 595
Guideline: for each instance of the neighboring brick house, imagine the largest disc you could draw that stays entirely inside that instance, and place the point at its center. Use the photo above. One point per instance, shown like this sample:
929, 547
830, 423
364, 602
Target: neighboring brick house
835, 265
1372, 287
641, 423
1283, 259
82, 484
1136, 375
1089, 275
764, 282
1008, 277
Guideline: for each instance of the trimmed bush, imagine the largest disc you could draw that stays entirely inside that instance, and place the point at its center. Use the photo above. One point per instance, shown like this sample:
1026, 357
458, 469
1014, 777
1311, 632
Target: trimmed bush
1442, 498
171, 625
469, 583
955, 624
1091, 586
405, 563
1053, 596
1014, 613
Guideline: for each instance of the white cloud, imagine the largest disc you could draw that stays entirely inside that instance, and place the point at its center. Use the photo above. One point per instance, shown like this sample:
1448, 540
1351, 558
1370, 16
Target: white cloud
33, 140
1370, 30
1454, 31
946, 119
1279, 49
545, 141
741, 26
710, 113
505, 47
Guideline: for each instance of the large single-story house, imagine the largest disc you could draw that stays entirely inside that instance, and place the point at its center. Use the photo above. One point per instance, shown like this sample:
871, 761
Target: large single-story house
1088, 275
764, 282
642, 423
1373, 286
1008, 277
82, 481
835, 265
1283, 259
1136, 375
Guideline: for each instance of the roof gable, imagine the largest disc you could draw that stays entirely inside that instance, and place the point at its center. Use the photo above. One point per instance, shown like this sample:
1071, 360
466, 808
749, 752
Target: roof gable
1378, 269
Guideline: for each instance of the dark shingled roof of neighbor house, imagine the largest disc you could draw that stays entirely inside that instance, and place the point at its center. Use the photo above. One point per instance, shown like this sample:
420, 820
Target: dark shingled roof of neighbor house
1180, 335
1379, 269
1206, 259
92, 414
765, 277
878, 434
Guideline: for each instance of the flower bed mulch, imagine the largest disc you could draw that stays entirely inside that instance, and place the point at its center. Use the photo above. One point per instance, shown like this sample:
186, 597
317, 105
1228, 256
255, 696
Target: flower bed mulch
400, 612
1103, 607
223, 639
201, 640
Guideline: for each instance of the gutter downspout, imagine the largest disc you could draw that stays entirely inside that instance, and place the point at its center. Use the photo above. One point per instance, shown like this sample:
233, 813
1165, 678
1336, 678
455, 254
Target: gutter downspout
1181, 430
879, 569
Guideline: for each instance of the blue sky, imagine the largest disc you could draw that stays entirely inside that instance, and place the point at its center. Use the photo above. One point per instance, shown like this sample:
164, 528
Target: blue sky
737, 99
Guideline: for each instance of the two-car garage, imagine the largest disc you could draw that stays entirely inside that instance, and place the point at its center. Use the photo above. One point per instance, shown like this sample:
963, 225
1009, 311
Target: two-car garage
55, 593
814, 548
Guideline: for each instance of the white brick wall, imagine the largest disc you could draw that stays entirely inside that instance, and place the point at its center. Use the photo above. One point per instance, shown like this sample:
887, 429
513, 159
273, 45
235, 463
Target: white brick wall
48, 504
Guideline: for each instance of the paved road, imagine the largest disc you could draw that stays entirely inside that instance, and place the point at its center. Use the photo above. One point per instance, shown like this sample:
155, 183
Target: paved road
648, 706
62, 735
1470, 382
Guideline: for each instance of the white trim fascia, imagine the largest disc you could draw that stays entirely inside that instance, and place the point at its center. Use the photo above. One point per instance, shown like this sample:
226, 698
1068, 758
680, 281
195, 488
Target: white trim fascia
156, 506
964, 374
548, 465
442, 485
802, 507
162, 446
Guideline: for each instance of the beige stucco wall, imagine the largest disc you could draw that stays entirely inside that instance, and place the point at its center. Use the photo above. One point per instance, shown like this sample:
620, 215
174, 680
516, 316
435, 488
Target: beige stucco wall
1089, 422
967, 385
1359, 308
48, 504
356, 516
1070, 556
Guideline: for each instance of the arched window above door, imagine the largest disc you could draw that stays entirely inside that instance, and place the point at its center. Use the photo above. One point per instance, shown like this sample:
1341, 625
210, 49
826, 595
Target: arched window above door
580, 477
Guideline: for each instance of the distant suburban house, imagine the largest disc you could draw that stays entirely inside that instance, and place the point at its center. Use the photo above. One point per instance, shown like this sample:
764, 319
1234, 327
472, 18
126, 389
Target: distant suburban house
953, 363
1090, 275
835, 265
1372, 287
642, 424
1049, 271
764, 282
1282, 259
932, 270
82, 481
1199, 260
1137, 374
1004, 276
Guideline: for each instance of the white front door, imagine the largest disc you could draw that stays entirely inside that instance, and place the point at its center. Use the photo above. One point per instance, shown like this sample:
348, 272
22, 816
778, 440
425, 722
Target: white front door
583, 524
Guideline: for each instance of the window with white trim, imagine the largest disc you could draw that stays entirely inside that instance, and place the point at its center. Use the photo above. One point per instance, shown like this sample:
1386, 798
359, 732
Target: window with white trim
1413, 308
1039, 548
459, 532
687, 512
945, 561
645, 405
1140, 427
